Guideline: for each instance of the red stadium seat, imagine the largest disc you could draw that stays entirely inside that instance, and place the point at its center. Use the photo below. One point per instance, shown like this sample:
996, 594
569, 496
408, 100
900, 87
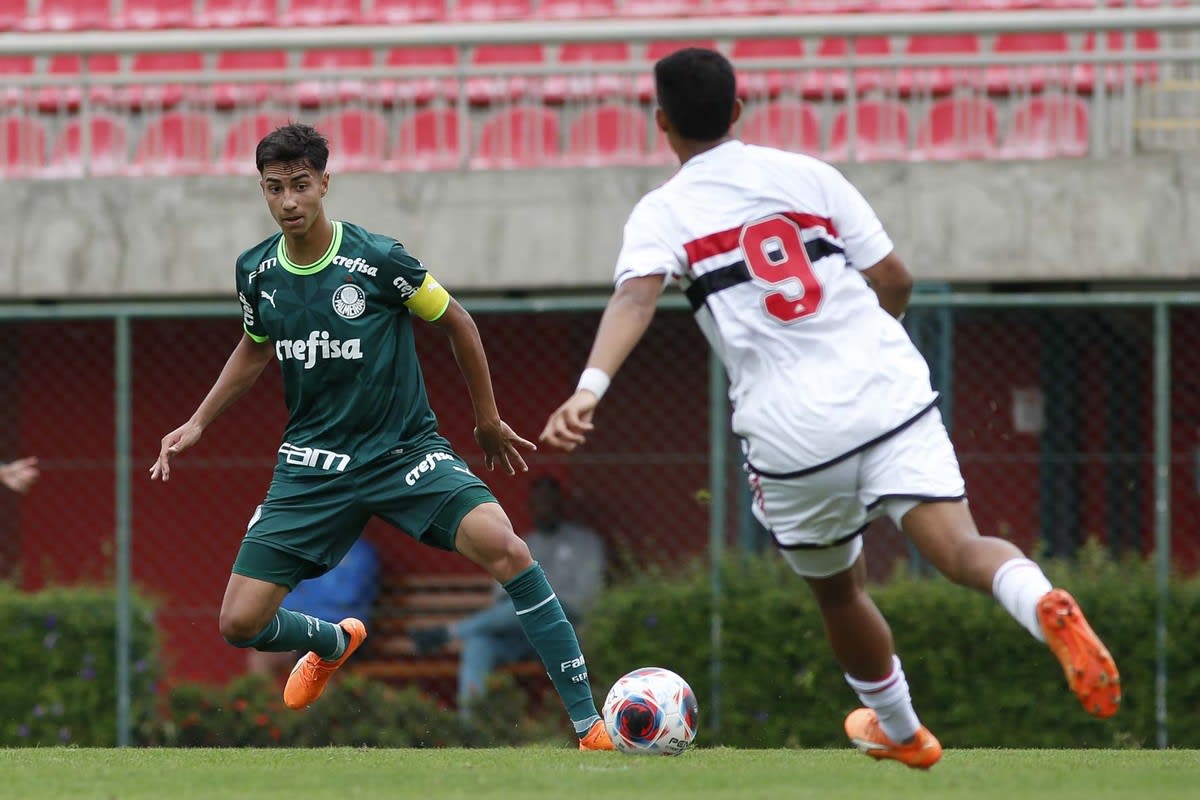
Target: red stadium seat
881, 132
322, 12
228, 94
12, 14
329, 88
659, 8
523, 136
1048, 127
577, 9
358, 139
417, 89
138, 96
835, 81
242, 138
608, 135
1003, 79
490, 10
108, 149
57, 99
597, 84
149, 14
69, 15
910, 6
787, 125
428, 139
20, 67
401, 12
484, 89
958, 128
644, 80
938, 79
238, 13
178, 143
22, 146
748, 8
759, 83
1083, 76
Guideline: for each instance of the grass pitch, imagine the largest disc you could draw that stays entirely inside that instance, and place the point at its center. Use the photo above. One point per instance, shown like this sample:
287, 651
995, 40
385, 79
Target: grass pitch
563, 774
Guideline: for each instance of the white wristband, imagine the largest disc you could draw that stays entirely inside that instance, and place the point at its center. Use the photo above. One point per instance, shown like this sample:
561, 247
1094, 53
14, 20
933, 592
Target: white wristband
595, 380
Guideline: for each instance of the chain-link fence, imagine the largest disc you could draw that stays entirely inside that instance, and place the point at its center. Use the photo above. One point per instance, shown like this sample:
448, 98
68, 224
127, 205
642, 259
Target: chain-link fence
1056, 404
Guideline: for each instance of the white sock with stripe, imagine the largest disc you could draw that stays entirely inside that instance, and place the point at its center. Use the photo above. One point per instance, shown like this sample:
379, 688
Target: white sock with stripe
1018, 585
891, 702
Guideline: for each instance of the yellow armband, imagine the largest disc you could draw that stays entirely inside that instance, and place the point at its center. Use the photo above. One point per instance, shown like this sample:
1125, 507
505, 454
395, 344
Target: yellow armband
429, 301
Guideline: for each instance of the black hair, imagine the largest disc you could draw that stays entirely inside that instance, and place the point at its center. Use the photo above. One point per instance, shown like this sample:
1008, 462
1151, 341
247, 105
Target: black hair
697, 90
293, 142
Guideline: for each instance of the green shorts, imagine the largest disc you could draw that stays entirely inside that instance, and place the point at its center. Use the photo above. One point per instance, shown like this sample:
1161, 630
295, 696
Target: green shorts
306, 525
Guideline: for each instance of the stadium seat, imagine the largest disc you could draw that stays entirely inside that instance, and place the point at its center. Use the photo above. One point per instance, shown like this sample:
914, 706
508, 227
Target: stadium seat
242, 138
402, 12
69, 15
1025, 78
764, 83
358, 139
577, 9
644, 80
228, 94
1048, 127
938, 79
67, 97
523, 136
908, 6
491, 10
835, 81
321, 12
660, 8
330, 88
958, 128
108, 149
21, 68
417, 89
609, 135
748, 8
1083, 76
590, 85
22, 146
177, 143
140, 96
12, 14
881, 133
788, 125
152, 14
238, 13
429, 139
484, 89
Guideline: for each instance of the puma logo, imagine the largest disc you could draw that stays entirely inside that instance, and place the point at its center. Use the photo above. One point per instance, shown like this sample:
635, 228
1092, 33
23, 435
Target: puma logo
270, 297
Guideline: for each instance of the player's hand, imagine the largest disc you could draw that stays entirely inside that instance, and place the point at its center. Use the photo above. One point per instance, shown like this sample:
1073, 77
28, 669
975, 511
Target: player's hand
19, 475
568, 425
174, 442
501, 445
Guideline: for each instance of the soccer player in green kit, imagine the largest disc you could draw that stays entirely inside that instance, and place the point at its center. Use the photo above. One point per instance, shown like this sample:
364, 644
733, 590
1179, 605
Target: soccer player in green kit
334, 304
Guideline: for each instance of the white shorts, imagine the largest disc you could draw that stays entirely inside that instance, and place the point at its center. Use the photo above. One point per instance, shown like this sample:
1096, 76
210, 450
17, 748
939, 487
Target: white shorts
817, 519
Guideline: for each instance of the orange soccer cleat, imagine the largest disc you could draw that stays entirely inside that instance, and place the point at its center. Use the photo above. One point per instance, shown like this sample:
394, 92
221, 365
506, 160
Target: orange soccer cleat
597, 738
862, 726
311, 673
1090, 670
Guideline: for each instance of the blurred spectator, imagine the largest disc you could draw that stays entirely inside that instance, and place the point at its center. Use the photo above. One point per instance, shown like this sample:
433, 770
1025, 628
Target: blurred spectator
19, 475
347, 590
573, 559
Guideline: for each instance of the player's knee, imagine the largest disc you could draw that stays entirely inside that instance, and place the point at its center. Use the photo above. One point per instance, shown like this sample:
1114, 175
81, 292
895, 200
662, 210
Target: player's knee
239, 630
511, 558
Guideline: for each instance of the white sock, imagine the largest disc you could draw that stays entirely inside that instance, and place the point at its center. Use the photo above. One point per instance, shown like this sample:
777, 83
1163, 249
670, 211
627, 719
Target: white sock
891, 702
1018, 585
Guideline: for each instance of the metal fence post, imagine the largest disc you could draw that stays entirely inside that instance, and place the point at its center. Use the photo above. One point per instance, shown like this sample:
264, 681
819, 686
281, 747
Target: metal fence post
718, 479
1162, 506
123, 402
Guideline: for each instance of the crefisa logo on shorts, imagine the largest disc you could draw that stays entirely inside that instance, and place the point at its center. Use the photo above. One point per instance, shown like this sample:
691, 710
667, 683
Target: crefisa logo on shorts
349, 301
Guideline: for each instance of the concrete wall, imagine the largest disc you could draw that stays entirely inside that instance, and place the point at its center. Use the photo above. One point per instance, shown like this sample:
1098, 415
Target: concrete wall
1134, 219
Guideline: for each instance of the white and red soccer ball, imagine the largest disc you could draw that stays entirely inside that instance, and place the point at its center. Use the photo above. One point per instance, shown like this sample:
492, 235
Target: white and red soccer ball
651, 711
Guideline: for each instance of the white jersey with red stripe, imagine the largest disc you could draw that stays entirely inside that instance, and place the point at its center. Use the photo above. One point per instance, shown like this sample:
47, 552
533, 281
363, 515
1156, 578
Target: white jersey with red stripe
768, 246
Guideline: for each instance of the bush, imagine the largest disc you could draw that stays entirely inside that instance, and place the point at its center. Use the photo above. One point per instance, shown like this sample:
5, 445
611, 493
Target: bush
977, 678
60, 658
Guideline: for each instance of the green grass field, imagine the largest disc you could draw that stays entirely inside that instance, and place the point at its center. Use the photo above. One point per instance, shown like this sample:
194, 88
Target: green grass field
524, 774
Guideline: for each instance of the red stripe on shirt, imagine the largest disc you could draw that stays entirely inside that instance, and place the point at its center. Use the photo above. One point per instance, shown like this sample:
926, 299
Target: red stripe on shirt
724, 241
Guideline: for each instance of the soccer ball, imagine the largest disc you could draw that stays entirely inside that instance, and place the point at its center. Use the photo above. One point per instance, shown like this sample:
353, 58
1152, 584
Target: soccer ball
651, 711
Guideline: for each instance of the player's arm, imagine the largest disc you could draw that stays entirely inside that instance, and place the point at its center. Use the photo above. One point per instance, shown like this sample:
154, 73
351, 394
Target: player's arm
626, 317
892, 283
497, 440
240, 372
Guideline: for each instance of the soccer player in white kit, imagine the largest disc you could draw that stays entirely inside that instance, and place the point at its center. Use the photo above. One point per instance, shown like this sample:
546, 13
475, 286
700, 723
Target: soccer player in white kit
796, 285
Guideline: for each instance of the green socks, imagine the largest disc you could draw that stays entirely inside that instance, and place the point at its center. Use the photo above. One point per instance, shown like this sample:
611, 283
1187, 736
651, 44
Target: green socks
542, 618
291, 630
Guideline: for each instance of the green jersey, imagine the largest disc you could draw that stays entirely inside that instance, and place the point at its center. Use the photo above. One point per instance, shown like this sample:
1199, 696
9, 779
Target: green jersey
342, 332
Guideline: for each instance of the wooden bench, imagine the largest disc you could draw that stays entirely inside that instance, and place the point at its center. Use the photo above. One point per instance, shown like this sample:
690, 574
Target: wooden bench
409, 602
